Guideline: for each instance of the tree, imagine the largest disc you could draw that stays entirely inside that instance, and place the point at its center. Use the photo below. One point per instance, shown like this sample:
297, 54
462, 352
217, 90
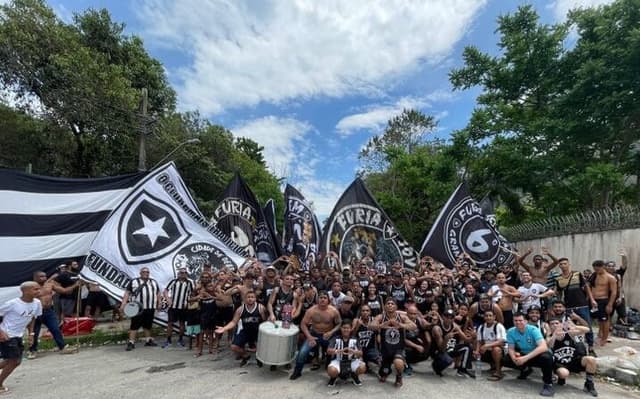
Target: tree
552, 118
86, 76
405, 131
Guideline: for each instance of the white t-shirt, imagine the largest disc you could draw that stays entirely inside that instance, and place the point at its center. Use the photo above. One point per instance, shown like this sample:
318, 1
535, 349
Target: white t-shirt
497, 293
491, 334
530, 296
17, 315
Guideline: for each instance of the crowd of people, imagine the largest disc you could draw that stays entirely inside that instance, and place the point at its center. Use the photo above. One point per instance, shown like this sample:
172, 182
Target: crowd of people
358, 318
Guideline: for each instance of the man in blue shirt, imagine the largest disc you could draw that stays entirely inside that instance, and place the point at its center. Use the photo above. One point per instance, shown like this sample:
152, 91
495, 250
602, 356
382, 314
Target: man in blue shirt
528, 348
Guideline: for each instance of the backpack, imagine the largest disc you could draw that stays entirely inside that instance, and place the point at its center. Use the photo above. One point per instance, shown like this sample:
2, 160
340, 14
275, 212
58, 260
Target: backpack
481, 330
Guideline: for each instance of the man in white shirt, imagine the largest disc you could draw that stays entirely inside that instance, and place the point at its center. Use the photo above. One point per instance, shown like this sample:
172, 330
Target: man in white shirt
17, 314
489, 348
531, 293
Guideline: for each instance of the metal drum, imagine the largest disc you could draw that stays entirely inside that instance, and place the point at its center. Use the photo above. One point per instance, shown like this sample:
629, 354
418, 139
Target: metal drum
132, 309
276, 345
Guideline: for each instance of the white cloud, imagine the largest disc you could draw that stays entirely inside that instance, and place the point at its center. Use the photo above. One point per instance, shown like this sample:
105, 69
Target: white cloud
323, 193
376, 117
246, 52
278, 136
561, 7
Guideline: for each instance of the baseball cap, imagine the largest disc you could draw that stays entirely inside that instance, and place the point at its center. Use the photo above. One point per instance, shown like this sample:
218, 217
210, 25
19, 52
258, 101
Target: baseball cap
272, 268
348, 299
449, 312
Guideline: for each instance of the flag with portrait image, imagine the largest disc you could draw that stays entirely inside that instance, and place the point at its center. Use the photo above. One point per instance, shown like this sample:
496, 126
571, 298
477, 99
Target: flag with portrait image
301, 233
240, 216
461, 227
359, 227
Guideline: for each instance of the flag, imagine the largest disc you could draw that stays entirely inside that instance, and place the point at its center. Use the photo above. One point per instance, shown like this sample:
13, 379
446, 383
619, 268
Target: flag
46, 221
240, 216
358, 227
301, 233
462, 227
158, 226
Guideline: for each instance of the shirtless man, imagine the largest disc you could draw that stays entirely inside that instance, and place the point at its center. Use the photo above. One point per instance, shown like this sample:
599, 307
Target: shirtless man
502, 294
541, 266
604, 288
48, 317
318, 325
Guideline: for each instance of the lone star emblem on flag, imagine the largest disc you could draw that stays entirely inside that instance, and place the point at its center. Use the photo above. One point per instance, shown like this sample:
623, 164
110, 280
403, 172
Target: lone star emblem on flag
152, 229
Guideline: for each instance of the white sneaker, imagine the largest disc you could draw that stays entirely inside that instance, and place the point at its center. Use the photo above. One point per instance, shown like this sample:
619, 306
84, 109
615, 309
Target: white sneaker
31, 355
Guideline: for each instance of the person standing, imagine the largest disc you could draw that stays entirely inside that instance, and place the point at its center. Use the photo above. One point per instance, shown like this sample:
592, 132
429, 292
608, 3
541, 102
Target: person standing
575, 294
16, 314
604, 288
67, 288
177, 295
146, 292
48, 317
531, 293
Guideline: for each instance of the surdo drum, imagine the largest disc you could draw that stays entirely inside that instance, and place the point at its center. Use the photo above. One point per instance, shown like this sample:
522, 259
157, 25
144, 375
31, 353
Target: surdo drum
276, 345
132, 309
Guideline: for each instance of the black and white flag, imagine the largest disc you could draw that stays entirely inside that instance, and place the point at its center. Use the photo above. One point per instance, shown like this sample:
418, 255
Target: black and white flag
240, 216
158, 226
46, 221
358, 227
301, 235
462, 227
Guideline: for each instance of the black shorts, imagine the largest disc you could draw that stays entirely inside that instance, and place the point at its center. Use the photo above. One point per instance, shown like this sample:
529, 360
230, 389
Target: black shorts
12, 348
143, 320
208, 321
602, 314
96, 299
243, 338
387, 361
178, 315
224, 315
574, 366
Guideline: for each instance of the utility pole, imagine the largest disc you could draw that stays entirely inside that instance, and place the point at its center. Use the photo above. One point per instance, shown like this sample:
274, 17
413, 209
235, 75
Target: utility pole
142, 155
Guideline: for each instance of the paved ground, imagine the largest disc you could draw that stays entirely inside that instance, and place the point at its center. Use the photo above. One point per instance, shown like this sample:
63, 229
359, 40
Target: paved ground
145, 373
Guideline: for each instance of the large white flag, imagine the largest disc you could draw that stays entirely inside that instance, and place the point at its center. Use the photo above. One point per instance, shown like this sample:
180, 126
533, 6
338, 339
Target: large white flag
157, 225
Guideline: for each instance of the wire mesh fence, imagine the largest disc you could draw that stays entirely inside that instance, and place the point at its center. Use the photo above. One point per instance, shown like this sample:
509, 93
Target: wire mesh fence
624, 217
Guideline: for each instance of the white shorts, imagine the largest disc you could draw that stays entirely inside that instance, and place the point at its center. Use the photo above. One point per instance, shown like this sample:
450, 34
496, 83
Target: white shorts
355, 363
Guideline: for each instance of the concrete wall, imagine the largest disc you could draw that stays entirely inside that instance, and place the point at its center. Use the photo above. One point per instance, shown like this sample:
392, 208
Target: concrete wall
583, 249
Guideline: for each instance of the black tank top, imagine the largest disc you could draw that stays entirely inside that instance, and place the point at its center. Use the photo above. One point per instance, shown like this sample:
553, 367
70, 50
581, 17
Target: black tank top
282, 298
366, 337
565, 349
399, 294
251, 319
392, 338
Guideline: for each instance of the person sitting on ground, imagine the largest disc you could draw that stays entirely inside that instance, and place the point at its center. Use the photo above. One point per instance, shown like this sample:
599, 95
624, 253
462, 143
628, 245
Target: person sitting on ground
16, 315
346, 356
570, 354
247, 319
491, 337
527, 349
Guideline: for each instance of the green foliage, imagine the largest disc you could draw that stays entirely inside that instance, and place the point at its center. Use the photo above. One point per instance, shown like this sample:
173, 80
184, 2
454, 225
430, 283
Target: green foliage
555, 126
80, 85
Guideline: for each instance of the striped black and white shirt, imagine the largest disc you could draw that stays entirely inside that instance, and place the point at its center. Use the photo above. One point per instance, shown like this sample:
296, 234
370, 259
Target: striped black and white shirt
145, 292
179, 292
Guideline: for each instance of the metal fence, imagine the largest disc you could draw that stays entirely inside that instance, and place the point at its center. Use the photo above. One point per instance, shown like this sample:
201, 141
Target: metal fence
625, 217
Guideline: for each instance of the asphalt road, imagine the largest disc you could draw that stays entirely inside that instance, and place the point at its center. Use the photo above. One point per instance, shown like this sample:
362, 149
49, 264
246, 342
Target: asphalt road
146, 373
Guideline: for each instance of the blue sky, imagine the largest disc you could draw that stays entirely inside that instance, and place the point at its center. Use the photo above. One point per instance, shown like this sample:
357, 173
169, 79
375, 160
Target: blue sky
310, 80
